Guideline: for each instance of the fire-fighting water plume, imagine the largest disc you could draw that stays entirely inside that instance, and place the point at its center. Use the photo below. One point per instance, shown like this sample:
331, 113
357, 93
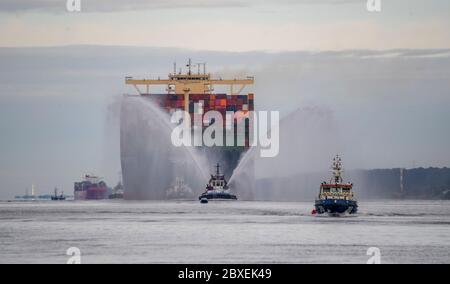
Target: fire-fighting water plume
149, 163
308, 138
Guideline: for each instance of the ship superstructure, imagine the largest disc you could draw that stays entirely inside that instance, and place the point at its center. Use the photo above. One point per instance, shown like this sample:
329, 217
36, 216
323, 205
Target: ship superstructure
190, 83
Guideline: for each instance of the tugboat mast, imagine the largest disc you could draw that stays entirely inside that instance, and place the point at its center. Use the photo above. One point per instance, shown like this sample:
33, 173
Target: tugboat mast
218, 169
337, 169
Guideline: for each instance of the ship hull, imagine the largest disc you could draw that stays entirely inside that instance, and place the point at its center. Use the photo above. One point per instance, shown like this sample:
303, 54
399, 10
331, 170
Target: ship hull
80, 195
336, 206
116, 196
58, 198
218, 196
91, 195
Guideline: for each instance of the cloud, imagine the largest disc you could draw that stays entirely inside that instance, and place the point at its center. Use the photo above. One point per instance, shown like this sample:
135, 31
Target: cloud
53, 6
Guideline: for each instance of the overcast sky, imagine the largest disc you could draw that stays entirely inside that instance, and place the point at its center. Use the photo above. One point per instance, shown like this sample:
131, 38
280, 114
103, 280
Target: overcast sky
381, 78
233, 25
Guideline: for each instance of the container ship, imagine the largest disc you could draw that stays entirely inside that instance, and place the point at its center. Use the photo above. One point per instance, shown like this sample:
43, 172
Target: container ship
336, 197
217, 188
183, 91
92, 188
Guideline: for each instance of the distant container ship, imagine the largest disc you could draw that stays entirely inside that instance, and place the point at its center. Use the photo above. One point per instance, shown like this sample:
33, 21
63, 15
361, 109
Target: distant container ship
92, 188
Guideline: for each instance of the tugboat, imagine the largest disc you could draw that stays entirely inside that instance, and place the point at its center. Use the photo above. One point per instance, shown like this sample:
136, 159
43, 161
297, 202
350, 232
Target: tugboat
57, 197
180, 190
217, 188
117, 192
336, 197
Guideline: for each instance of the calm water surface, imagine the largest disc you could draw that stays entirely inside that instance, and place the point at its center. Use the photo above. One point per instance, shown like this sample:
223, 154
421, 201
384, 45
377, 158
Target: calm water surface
223, 232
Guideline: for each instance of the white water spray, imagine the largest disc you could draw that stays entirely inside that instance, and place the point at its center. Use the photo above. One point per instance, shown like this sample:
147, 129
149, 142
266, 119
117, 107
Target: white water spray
150, 164
308, 139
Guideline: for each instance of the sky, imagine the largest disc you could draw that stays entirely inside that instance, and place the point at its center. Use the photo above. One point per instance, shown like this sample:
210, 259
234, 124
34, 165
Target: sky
381, 78
233, 25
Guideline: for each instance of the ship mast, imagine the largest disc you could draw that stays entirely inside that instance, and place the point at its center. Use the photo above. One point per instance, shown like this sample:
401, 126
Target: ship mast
189, 66
337, 169
218, 169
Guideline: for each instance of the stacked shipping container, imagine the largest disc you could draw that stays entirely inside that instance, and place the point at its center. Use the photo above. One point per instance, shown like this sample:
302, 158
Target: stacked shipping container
222, 103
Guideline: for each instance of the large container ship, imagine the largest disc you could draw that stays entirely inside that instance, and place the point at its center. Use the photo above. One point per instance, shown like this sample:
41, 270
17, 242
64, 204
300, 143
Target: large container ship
91, 188
183, 91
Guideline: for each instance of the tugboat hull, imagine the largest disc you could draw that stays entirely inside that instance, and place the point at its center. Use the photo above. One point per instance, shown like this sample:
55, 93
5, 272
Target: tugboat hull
218, 196
58, 198
336, 206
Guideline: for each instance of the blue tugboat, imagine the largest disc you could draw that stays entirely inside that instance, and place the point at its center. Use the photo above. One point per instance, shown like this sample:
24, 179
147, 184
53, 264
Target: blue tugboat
336, 197
217, 188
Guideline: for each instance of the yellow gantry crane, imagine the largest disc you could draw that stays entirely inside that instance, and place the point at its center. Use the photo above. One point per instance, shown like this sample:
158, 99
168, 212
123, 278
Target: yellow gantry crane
189, 83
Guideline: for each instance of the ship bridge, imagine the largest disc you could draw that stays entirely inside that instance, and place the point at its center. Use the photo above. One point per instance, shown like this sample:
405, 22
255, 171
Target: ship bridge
189, 83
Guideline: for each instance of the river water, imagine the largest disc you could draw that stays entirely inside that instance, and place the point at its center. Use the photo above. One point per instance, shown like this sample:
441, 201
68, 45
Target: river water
222, 232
